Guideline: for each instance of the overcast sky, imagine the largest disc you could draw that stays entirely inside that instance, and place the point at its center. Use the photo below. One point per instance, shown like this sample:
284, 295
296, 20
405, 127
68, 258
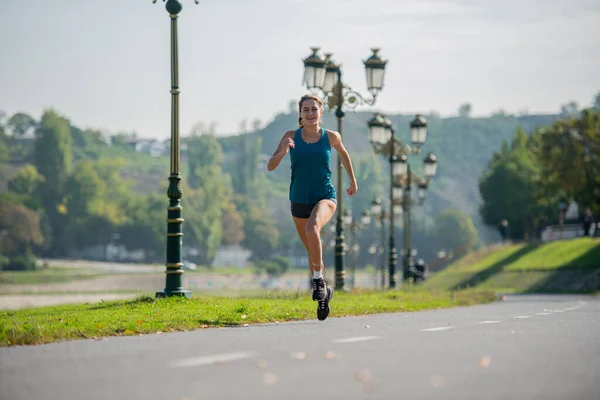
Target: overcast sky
106, 64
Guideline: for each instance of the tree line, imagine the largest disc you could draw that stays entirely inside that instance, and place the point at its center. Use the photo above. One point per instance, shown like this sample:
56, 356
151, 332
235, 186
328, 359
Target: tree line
67, 195
529, 177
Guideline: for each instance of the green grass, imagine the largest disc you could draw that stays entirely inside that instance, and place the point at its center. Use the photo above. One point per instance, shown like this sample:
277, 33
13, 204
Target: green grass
561, 266
146, 315
45, 275
584, 252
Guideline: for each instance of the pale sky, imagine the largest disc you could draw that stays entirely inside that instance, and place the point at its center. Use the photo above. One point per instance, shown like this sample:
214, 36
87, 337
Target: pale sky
106, 64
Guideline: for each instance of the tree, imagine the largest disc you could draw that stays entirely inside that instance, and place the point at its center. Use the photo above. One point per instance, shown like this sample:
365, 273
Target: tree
232, 225
143, 229
244, 165
4, 152
510, 187
25, 181
52, 158
454, 230
261, 235
570, 109
22, 226
464, 111
203, 214
80, 139
597, 101
84, 191
109, 171
20, 123
203, 151
208, 186
569, 155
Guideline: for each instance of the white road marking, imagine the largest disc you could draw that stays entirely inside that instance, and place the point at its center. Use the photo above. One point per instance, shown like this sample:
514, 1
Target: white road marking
522, 316
489, 322
356, 339
211, 360
558, 311
543, 313
570, 308
440, 328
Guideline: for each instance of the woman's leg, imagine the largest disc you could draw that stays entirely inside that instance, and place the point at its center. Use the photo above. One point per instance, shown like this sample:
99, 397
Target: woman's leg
320, 215
301, 228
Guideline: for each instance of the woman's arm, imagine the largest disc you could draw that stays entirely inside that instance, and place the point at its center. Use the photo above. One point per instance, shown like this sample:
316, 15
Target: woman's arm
282, 149
335, 140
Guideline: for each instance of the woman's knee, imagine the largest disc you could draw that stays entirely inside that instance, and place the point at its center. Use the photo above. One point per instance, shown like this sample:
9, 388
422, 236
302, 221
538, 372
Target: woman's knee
311, 229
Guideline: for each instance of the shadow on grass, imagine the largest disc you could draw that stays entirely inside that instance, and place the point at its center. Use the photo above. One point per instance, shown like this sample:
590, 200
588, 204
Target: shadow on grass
120, 303
219, 323
493, 269
582, 275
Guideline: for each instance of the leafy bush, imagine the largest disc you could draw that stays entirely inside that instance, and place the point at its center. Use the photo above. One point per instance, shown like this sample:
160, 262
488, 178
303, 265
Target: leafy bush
4, 262
22, 263
275, 267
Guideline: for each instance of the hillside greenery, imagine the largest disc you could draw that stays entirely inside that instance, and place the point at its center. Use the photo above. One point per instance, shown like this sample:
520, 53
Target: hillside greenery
64, 188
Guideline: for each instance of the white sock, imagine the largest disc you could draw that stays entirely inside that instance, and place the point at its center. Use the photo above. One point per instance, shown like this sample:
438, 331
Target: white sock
318, 274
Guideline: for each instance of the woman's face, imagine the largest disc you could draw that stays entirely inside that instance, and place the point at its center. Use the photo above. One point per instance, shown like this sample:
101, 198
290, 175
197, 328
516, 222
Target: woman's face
310, 113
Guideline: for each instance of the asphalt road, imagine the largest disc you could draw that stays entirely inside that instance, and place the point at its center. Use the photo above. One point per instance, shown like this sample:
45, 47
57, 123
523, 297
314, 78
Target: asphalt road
527, 347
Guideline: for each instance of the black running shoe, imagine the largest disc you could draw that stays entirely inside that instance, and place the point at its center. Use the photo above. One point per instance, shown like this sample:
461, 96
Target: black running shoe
319, 289
323, 310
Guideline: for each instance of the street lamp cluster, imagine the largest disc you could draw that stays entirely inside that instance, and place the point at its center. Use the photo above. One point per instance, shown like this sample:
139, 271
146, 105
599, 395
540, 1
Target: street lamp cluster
382, 138
323, 75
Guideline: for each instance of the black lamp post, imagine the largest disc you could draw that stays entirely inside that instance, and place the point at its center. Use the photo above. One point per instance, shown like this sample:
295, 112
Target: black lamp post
325, 76
384, 142
174, 264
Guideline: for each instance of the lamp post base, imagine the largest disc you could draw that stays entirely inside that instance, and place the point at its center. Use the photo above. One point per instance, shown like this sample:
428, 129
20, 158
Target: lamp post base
180, 293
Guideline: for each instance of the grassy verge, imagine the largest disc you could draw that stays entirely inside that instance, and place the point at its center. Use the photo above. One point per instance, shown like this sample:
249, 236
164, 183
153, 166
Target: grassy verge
46, 275
568, 266
147, 315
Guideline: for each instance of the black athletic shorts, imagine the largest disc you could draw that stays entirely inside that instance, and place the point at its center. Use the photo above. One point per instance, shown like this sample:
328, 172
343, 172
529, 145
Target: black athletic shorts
301, 210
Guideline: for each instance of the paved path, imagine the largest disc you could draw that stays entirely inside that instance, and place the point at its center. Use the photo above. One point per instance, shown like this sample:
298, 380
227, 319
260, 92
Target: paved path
527, 347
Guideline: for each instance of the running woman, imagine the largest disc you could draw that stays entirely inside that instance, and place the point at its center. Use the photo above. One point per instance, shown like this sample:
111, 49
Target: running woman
312, 194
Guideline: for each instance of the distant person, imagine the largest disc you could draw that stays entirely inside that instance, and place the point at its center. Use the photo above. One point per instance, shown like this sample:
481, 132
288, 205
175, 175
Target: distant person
588, 220
312, 194
504, 230
421, 269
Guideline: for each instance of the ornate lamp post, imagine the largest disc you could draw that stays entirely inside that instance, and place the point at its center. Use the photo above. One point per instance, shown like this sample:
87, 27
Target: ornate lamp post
174, 264
382, 137
325, 76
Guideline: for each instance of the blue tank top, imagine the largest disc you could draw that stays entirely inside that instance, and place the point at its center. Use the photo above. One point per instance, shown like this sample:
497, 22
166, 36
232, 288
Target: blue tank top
311, 174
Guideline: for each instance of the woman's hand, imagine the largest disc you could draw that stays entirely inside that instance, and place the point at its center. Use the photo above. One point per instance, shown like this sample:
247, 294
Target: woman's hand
352, 189
288, 144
